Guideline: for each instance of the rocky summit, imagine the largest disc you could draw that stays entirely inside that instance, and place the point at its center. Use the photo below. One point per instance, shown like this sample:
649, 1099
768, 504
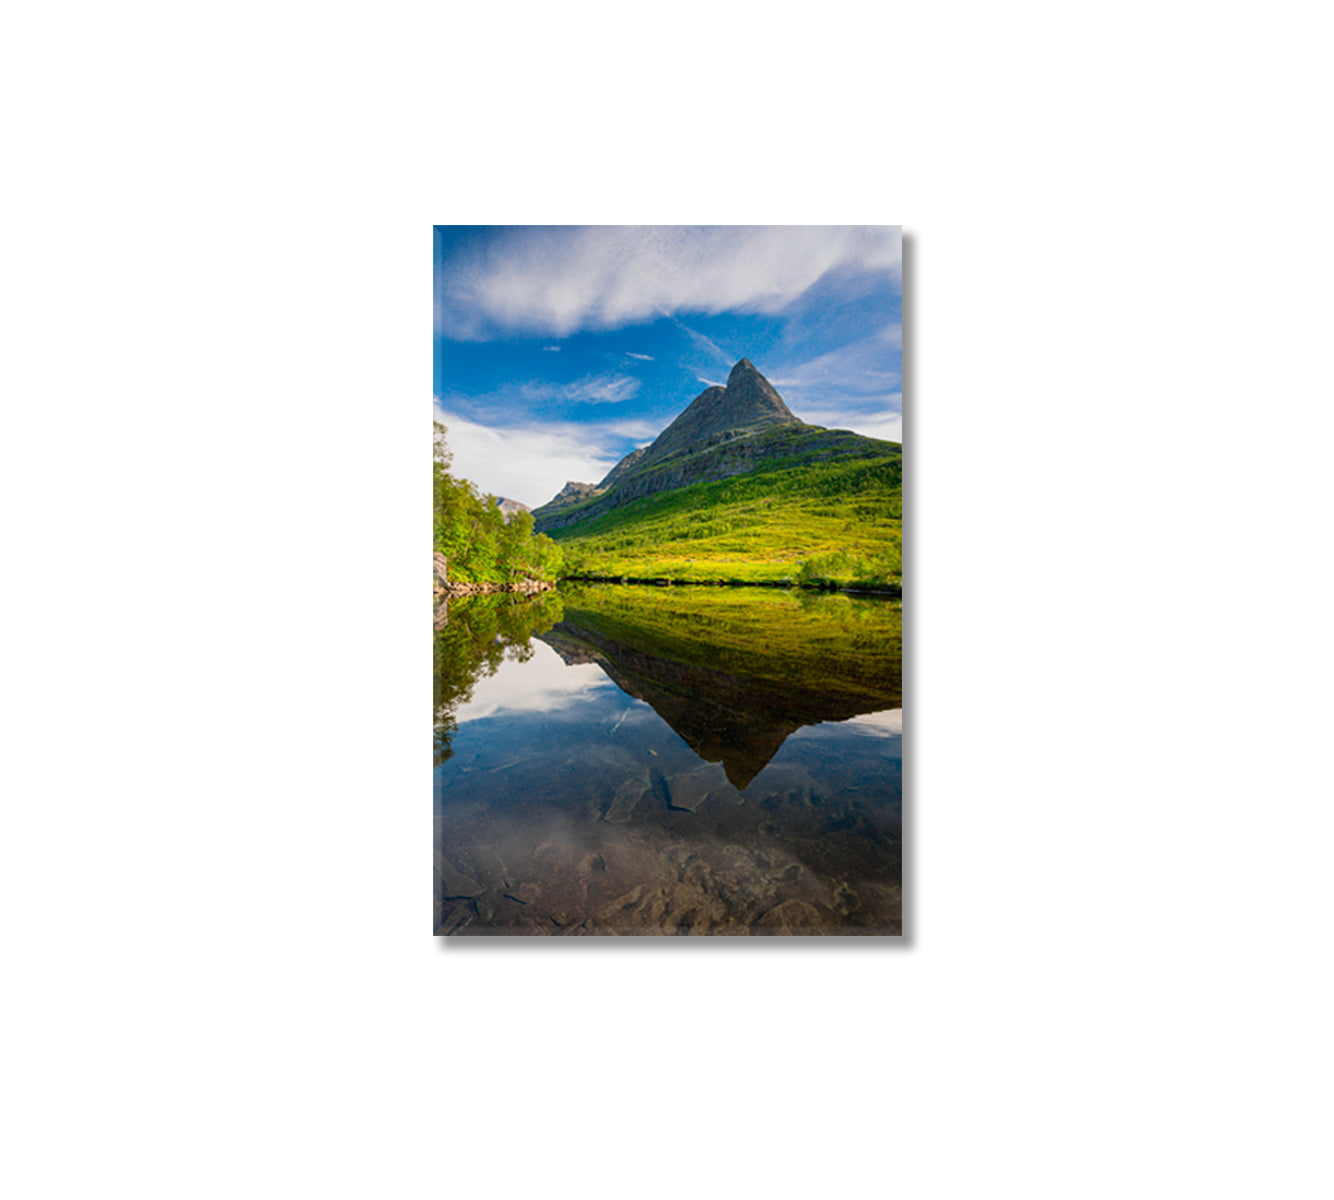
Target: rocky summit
724, 431
748, 404
511, 508
571, 493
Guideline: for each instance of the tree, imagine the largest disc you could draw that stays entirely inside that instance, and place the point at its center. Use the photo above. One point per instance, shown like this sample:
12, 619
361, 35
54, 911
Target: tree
471, 531
443, 456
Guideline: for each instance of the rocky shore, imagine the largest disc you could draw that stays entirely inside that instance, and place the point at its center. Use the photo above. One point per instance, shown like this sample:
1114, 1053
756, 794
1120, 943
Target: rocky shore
445, 588
527, 587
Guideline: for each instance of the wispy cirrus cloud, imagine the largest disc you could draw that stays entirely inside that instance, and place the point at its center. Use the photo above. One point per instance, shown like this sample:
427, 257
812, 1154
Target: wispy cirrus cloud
531, 395
641, 357
860, 368
557, 281
706, 344
592, 389
856, 386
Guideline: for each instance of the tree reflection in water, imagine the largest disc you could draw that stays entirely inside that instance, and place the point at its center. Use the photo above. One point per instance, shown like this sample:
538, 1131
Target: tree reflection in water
473, 636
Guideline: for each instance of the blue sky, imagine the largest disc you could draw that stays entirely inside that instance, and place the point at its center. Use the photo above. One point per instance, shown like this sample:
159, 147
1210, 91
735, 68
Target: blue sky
559, 349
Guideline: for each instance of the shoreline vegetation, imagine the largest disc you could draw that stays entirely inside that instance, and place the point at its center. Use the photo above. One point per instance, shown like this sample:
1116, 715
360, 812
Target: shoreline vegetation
531, 587
477, 547
859, 589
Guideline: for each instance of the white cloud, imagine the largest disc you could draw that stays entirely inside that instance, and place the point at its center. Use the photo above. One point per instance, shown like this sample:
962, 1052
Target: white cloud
883, 420
592, 389
553, 349
887, 429
558, 280
641, 357
533, 462
631, 429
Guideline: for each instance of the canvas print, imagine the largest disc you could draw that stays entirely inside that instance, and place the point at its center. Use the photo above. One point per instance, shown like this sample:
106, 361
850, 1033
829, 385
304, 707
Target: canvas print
668, 581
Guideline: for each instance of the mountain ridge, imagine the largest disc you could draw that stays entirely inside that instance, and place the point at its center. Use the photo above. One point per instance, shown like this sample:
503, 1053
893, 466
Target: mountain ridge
724, 431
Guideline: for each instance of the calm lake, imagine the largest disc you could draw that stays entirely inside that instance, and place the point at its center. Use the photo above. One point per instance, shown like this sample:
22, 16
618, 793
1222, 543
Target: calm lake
613, 759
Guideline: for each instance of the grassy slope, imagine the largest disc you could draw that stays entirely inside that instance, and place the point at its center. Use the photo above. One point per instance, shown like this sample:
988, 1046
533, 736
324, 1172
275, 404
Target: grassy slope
839, 522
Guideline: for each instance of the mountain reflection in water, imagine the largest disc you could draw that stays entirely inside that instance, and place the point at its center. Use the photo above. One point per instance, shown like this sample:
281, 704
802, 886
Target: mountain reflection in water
613, 760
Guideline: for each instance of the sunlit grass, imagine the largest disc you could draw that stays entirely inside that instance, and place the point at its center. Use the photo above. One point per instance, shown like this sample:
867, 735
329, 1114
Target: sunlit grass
829, 523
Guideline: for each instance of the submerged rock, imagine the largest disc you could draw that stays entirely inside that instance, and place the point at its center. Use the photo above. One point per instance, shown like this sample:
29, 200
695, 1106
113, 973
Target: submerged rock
687, 791
525, 893
627, 798
792, 916
454, 883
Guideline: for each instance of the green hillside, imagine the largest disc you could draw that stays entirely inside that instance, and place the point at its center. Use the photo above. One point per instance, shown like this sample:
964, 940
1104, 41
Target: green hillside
830, 523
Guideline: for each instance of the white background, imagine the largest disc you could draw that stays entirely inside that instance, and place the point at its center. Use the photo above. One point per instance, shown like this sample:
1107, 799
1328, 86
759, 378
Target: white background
220, 974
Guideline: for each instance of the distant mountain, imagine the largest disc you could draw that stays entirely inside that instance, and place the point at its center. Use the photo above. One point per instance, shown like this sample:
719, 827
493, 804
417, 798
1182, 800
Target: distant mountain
511, 508
571, 493
723, 432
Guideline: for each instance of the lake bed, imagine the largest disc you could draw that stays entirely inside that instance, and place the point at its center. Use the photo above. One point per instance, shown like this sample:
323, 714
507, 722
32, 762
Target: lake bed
616, 760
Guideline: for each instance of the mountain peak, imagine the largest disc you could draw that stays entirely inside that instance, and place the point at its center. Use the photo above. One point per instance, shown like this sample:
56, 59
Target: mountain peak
573, 491
754, 397
746, 405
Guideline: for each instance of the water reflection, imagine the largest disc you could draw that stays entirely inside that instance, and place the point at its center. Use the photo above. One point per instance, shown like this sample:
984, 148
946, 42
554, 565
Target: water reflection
789, 676
473, 637
622, 760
